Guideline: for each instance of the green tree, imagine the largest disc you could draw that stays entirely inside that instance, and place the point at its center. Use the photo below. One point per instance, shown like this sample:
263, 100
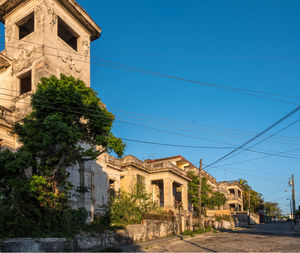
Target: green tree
66, 125
272, 209
67, 122
255, 197
209, 198
131, 207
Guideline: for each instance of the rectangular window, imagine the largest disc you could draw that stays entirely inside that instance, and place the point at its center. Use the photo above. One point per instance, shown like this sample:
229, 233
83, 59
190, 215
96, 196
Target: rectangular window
67, 34
112, 191
25, 83
26, 26
140, 183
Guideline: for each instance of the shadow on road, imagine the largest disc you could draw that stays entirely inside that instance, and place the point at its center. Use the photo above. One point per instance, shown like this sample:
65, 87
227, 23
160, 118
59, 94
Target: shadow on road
270, 229
198, 246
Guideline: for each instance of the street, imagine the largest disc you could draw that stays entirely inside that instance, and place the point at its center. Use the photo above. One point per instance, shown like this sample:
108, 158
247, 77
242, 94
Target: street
263, 237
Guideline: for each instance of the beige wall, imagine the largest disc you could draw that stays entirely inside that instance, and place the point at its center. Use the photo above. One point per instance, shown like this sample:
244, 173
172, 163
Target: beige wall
41, 52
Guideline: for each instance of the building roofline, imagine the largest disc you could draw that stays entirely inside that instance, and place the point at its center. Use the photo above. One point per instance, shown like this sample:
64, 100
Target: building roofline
168, 158
7, 6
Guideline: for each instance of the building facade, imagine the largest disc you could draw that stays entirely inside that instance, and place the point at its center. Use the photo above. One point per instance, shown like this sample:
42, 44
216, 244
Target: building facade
53, 37
44, 38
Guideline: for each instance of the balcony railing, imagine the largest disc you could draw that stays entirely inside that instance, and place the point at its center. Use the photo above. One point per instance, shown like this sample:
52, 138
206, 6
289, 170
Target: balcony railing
166, 165
113, 161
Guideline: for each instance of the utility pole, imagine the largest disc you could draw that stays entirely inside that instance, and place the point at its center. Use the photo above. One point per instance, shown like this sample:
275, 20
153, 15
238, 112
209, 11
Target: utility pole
293, 197
249, 207
199, 194
291, 208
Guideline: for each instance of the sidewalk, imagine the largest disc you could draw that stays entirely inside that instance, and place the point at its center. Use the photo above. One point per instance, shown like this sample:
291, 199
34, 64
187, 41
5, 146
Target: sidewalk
139, 246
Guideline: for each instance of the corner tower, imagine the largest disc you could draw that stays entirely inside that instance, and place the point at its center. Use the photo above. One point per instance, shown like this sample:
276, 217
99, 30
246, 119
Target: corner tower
42, 38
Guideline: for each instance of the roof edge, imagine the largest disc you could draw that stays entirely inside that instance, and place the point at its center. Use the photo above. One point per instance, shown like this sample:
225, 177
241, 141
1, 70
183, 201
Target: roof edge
7, 6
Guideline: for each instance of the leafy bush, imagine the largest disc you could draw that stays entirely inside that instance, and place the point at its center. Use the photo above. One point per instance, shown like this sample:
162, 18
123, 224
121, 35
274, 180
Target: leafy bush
188, 232
33, 209
52, 136
131, 208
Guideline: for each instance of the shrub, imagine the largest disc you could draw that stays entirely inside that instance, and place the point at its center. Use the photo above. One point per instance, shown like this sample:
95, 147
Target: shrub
188, 232
131, 208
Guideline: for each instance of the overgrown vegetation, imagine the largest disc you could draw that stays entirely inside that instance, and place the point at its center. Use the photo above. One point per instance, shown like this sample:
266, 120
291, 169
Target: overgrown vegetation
67, 122
256, 201
198, 231
131, 208
272, 209
210, 199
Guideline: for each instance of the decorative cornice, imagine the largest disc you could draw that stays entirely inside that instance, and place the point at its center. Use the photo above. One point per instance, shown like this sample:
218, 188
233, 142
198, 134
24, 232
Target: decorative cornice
7, 6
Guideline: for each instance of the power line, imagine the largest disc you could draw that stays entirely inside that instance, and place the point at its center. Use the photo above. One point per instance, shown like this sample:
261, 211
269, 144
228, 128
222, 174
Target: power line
174, 145
257, 158
230, 130
256, 136
270, 136
144, 71
160, 130
91, 110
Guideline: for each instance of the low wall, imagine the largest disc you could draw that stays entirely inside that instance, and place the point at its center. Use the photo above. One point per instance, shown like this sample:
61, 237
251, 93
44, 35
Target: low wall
241, 219
212, 213
149, 229
82, 242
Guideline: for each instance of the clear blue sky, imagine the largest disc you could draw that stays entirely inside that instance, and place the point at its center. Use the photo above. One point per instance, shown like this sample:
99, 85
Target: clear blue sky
245, 44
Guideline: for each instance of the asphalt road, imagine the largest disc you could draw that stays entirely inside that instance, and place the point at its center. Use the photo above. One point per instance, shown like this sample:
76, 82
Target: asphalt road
259, 238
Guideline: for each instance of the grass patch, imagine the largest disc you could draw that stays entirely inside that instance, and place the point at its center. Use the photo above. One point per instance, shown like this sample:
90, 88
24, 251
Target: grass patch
188, 232
198, 231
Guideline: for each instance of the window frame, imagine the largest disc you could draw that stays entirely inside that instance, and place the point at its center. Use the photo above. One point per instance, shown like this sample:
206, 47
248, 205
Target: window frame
22, 77
23, 21
71, 30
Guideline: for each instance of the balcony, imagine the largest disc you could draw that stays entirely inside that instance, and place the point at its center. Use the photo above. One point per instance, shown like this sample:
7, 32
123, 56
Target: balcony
162, 165
114, 162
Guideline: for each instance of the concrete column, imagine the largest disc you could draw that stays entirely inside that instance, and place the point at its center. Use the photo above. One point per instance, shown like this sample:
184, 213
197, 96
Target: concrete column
168, 193
184, 197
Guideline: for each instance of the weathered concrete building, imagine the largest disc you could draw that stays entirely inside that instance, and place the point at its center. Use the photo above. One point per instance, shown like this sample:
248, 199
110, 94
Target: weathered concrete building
165, 179
44, 38
51, 37
234, 195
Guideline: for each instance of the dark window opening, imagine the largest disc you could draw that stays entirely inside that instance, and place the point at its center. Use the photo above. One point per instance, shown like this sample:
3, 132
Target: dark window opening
140, 184
67, 34
177, 194
112, 191
231, 192
160, 185
25, 83
232, 207
26, 26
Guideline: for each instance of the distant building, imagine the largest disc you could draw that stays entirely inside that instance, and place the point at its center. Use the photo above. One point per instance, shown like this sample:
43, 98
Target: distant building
167, 181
